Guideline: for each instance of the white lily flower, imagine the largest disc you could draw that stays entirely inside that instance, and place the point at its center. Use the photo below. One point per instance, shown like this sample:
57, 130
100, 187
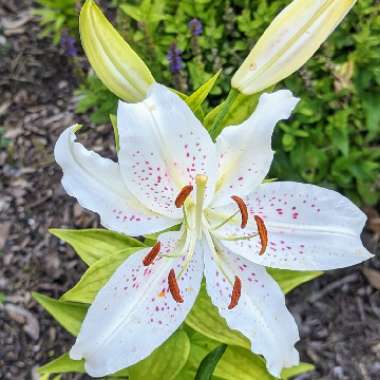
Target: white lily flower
171, 172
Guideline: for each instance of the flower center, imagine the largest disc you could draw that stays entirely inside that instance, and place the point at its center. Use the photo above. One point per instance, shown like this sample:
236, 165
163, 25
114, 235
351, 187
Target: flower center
194, 222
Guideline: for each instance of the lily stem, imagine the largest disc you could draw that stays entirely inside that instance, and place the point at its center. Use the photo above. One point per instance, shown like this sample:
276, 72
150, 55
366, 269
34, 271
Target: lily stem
217, 125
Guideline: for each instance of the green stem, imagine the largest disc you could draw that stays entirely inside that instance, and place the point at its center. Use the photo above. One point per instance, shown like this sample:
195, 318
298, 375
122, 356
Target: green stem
217, 125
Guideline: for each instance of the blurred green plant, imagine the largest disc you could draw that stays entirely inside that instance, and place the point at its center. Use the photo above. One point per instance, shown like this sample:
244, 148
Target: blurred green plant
333, 137
57, 16
4, 142
95, 97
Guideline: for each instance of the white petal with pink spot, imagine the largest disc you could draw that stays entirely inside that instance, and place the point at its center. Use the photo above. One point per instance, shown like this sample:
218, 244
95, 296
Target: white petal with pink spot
163, 146
134, 312
308, 228
244, 151
97, 184
261, 314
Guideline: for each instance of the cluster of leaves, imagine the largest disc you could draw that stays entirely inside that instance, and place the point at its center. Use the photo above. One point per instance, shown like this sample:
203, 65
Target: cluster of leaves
204, 330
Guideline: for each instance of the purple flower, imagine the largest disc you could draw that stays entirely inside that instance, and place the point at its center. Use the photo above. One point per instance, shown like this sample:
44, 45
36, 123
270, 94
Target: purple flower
68, 45
174, 58
196, 27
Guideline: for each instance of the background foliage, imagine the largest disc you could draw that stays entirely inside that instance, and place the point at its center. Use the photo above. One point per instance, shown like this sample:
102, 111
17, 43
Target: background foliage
333, 137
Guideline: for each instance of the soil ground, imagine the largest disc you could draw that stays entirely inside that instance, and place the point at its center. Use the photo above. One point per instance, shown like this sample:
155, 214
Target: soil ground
338, 314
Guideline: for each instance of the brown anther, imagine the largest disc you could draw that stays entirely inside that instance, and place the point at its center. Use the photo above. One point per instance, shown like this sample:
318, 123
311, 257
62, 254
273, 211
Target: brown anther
236, 293
152, 254
263, 233
182, 196
173, 287
243, 210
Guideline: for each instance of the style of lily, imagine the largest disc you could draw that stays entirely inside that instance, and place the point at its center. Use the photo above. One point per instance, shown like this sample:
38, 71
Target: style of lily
170, 172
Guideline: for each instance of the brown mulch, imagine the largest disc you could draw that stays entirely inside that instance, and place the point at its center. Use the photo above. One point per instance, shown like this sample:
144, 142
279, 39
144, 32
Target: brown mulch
338, 314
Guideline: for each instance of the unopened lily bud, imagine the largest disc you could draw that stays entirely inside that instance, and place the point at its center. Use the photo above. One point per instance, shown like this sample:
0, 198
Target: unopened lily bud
114, 61
289, 41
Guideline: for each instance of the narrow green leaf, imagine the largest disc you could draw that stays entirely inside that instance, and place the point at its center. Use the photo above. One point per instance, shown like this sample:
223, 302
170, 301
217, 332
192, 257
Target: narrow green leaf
113, 119
195, 100
289, 373
93, 244
166, 362
63, 364
208, 364
289, 279
240, 109
68, 314
236, 363
199, 348
96, 277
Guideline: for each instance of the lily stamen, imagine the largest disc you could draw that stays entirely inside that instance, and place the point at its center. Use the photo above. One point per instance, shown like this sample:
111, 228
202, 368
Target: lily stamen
173, 287
152, 254
225, 221
235, 237
243, 210
182, 196
201, 181
236, 293
263, 233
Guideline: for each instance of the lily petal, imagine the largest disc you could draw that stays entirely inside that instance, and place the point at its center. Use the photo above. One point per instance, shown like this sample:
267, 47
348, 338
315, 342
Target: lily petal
260, 314
163, 146
245, 152
309, 228
290, 40
134, 312
97, 184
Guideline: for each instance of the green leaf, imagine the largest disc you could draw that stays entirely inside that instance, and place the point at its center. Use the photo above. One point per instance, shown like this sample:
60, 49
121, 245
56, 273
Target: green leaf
195, 100
288, 373
93, 244
69, 315
205, 319
200, 347
166, 361
3, 297
289, 279
236, 363
115, 131
241, 108
63, 364
240, 364
96, 277
208, 364
132, 11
